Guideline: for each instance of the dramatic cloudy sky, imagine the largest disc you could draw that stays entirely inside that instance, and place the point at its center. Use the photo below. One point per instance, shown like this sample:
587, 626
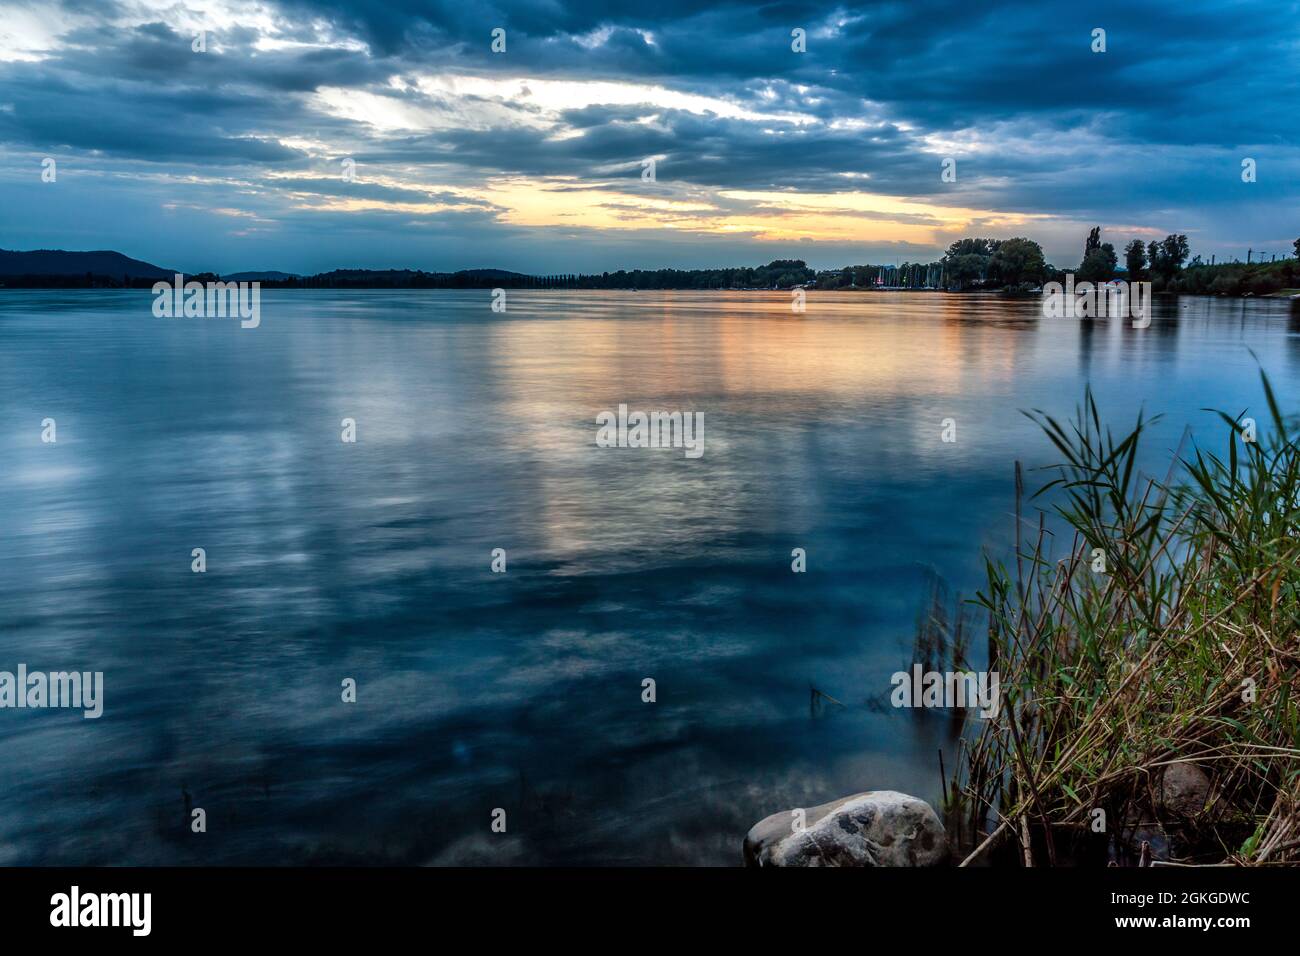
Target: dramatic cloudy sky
531, 159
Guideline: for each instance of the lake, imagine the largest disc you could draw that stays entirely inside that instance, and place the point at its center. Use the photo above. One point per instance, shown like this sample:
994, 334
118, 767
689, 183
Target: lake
476, 430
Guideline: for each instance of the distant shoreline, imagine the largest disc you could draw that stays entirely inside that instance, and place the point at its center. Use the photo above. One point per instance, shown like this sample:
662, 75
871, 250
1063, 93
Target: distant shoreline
1012, 267
5, 286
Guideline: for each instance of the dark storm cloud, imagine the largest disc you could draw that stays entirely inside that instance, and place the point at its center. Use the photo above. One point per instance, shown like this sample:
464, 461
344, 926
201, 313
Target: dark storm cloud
695, 149
158, 126
155, 53
951, 63
1150, 132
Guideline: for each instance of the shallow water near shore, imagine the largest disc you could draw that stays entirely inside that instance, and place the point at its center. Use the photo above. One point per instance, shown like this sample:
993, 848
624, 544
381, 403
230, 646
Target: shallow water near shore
477, 430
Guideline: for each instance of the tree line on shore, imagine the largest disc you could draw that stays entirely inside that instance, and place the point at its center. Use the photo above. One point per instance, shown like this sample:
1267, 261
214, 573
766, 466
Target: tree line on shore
1019, 264
1015, 264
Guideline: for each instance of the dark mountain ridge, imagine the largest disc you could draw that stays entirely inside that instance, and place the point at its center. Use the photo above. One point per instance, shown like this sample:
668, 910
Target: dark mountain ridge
58, 262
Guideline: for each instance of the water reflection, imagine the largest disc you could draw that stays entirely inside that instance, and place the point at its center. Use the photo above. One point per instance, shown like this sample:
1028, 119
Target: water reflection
476, 431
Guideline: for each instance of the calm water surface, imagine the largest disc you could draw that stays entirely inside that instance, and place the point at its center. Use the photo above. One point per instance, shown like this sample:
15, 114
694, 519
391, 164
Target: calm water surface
477, 431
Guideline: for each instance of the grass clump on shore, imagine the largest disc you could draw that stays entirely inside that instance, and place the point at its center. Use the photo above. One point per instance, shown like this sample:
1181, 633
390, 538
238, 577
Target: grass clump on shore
1168, 637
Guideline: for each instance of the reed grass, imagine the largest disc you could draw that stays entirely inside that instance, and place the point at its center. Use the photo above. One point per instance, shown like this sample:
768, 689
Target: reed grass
1108, 677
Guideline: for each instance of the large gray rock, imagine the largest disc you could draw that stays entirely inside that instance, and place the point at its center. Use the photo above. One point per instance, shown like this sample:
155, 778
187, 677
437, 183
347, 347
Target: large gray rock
875, 828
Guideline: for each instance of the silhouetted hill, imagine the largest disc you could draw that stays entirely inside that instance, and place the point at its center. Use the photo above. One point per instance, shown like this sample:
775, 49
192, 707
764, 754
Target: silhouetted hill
57, 262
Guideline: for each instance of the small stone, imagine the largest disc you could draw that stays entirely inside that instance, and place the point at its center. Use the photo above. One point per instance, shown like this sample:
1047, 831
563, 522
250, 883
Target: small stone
1184, 790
